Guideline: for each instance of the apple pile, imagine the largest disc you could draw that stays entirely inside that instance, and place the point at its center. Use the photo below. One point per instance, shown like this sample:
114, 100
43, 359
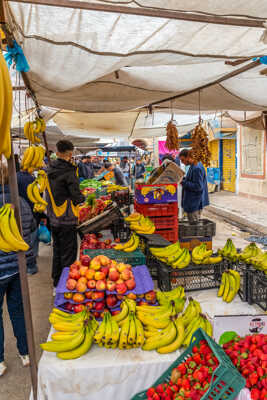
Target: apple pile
101, 273
91, 241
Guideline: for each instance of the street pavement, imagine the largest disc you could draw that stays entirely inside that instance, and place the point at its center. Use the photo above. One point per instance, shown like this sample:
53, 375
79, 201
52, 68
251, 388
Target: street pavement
15, 384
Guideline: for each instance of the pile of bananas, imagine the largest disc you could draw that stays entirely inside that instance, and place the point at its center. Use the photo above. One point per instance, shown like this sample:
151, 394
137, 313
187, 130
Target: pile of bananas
6, 107
115, 188
129, 246
33, 158
34, 191
250, 252
134, 217
229, 251
194, 319
230, 285
74, 336
200, 255
260, 262
131, 330
10, 237
177, 296
143, 226
172, 255
108, 333
33, 128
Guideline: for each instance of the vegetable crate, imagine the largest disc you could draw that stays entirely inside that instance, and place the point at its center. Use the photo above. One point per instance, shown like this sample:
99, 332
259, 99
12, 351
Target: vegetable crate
134, 258
194, 277
227, 382
257, 290
203, 228
243, 270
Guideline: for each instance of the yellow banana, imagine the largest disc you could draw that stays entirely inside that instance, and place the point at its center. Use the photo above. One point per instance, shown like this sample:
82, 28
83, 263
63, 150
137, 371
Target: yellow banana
59, 346
226, 286
164, 338
232, 288
123, 314
177, 343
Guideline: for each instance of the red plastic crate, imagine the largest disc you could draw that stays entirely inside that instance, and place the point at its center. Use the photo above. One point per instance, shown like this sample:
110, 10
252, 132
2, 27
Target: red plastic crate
165, 222
169, 234
157, 210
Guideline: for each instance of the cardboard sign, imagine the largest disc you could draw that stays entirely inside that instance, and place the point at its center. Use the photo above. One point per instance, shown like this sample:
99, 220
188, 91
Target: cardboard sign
241, 324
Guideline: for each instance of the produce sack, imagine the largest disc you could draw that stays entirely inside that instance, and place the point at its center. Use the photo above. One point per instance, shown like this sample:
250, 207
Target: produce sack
44, 234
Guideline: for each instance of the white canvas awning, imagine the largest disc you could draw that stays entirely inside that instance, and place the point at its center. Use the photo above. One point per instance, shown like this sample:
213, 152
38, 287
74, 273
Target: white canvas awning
74, 54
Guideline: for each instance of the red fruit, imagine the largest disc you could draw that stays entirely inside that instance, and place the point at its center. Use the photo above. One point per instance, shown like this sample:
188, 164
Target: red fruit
121, 288
111, 286
100, 285
131, 285
89, 305
96, 314
90, 274
105, 271
68, 295
113, 274
115, 312
69, 306
99, 306
78, 308
88, 295
111, 300
149, 296
99, 276
255, 394
71, 284
74, 274
125, 274
98, 295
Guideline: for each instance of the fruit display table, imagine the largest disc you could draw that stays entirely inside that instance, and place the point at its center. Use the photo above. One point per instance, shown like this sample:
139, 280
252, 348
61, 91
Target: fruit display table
120, 374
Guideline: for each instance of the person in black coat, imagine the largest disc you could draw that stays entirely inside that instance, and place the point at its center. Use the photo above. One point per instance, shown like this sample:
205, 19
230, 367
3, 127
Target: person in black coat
10, 281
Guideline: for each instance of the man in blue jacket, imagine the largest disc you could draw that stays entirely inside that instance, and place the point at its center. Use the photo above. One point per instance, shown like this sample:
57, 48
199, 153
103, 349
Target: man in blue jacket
195, 188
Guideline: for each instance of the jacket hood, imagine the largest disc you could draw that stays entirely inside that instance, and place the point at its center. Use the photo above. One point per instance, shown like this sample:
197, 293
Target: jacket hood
60, 166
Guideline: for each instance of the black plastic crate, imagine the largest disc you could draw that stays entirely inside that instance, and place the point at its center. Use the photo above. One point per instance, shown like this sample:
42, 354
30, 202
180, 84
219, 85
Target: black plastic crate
121, 230
244, 271
152, 265
194, 277
257, 293
204, 227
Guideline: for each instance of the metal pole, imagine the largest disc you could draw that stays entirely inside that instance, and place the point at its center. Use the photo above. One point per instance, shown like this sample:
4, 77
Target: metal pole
13, 186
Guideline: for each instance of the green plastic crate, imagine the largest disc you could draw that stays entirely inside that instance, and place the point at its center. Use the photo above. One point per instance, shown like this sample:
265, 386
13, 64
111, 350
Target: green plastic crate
228, 381
134, 258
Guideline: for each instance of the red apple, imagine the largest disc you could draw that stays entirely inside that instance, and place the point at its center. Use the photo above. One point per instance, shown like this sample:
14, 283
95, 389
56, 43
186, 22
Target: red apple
150, 296
99, 275
82, 280
78, 308
130, 284
128, 266
107, 241
119, 297
98, 295
77, 263
95, 264
111, 286
68, 295
88, 295
96, 314
91, 284
81, 287
105, 270
90, 274
69, 306
78, 297
117, 240
142, 303
83, 270
104, 260
74, 274
125, 275
121, 288
85, 260
120, 280
71, 284
100, 285
121, 267
111, 300
99, 306
132, 296
89, 305
113, 274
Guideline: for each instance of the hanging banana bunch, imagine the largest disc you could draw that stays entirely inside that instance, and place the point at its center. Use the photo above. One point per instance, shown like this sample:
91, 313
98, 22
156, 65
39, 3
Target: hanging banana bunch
172, 142
33, 158
34, 195
200, 142
33, 128
6, 106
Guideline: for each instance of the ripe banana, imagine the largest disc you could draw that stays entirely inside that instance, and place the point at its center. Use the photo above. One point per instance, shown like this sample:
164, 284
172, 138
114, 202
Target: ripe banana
123, 314
81, 349
177, 342
227, 286
162, 339
6, 108
10, 237
59, 346
222, 286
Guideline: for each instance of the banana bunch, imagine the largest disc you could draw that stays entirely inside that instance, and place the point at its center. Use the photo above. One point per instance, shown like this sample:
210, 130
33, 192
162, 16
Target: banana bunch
193, 319
143, 225
172, 255
33, 128
249, 252
108, 332
42, 180
6, 107
230, 285
229, 251
10, 237
200, 255
134, 217
176, 295
129, 246
260, 261
34, 194
131, 332
74, 336
33, 158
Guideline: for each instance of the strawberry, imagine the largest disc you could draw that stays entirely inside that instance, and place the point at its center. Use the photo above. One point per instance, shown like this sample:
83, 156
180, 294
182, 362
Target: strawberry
255, 394
150, 392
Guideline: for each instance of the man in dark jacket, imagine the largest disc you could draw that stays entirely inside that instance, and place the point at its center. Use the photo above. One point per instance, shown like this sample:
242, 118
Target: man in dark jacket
63, 197
90, 168
83, 171
195, 188
139, 169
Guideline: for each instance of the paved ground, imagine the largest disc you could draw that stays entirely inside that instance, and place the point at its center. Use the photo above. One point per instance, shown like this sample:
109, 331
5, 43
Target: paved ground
15, 385
239, 209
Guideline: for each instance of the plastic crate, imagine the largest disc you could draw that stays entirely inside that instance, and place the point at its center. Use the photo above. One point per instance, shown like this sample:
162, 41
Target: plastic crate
257, 291
157, 193
191, 243
165, 222
202, 228
103, 221
157, 210
194, 277
169, 234
227, 381
121, 231
134, 258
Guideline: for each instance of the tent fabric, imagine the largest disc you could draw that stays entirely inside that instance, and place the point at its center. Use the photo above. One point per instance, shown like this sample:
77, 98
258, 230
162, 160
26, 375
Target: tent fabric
74, 54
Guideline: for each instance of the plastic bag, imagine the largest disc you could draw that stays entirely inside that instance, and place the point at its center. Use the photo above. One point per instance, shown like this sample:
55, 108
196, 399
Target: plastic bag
44, 234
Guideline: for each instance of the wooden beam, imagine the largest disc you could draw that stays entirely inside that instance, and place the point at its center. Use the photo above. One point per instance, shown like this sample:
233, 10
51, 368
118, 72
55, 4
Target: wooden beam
217, 81
149, 12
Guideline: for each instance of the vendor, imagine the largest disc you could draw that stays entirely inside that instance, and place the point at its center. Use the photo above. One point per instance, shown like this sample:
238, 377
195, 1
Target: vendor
195, 188
139, 169
118, 174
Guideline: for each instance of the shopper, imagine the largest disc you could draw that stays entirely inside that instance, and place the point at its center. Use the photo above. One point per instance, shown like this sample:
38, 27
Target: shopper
90, 168
24, 179
118, 174
82, 169
139, 169
10, 281
195, 188
125, 167
63, 198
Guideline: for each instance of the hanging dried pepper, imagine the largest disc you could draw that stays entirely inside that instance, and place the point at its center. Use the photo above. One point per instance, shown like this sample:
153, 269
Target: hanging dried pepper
172, 142
200, 149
